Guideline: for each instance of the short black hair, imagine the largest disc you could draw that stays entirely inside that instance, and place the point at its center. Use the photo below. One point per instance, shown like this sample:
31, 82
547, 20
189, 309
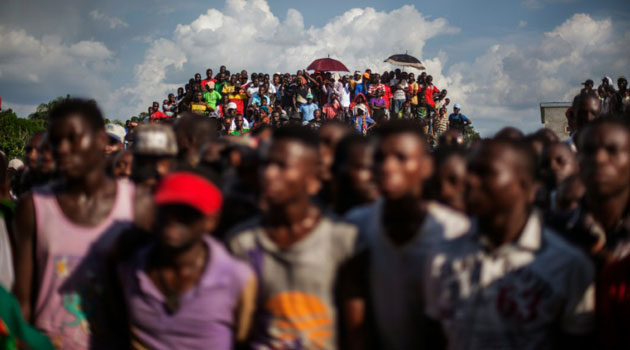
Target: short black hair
401, 126
299, 133
87, 109
344, 147
529, 163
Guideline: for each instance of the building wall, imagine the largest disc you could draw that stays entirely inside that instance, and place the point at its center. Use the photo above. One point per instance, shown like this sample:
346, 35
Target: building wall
554, 118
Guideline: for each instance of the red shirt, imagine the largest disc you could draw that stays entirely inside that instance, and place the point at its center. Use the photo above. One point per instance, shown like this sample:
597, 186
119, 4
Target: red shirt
157, 115
388, 95
428, 94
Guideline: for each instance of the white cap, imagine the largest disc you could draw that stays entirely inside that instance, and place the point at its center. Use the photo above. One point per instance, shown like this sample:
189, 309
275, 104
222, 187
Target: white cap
16, 164
116, 132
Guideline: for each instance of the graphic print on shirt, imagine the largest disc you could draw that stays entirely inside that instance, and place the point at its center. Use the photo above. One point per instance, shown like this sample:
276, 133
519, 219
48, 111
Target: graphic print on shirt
74, 320
298, 321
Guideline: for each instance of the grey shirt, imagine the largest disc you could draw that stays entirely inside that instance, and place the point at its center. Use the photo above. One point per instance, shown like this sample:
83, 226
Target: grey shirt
296, 298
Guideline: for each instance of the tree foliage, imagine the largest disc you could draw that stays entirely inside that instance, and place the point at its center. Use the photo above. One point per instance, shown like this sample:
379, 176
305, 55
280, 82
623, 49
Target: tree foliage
16, 132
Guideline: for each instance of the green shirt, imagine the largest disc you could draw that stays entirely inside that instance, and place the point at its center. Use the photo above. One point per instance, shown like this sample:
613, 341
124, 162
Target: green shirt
212, 98
14, 331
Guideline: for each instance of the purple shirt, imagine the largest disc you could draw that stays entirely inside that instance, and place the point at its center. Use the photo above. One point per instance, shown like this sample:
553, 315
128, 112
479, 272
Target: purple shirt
205, 318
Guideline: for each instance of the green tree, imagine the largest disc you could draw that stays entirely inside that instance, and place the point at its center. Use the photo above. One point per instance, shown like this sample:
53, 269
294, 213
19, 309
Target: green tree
41, 113
470, 134
16, 132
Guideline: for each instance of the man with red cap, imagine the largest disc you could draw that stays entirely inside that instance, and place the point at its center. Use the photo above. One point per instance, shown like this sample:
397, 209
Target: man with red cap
184, 290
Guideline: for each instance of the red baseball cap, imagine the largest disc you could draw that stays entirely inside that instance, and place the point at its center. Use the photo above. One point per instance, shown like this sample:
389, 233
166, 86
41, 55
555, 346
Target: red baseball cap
189, 189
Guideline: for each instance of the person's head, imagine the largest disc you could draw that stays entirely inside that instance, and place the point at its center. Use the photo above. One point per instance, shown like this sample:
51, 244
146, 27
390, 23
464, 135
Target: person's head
78, 138
154, 151
451, 137
510, 133
239, 121
560, 163
604, 158
209, 73
448, 183
402, 161
622, 83
198, 96
569, 194
187, 208
501, 178
289, 176
192, 132
588, 85
354, 182
116, 134
587, 109
30, 151
317, 114
122, 164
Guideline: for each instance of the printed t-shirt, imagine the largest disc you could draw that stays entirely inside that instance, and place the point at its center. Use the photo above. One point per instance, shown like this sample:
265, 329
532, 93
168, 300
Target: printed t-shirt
517, 296
212, 98
296, 299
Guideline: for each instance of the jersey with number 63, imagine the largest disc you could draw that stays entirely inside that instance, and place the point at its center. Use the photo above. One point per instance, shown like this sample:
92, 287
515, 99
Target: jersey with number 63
517, 296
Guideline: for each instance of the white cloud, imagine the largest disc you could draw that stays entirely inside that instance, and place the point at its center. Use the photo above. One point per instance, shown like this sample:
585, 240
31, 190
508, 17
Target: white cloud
506, 84
246, 34
47, 67
111, 21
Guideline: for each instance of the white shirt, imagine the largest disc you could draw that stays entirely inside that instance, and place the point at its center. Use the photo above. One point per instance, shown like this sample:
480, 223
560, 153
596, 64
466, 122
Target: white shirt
512, 297
395, 278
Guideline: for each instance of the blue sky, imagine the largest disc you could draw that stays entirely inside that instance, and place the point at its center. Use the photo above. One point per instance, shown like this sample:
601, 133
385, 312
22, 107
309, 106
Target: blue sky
499, 59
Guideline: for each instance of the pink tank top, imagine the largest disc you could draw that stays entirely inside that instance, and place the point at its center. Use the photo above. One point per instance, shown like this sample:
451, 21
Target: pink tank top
70, 264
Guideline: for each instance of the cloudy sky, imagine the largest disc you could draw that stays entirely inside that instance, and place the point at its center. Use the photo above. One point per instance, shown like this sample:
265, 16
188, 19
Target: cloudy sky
499, 59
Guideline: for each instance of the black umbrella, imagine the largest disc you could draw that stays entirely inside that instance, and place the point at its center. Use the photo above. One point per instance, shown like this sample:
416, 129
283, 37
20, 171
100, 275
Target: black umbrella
405, 60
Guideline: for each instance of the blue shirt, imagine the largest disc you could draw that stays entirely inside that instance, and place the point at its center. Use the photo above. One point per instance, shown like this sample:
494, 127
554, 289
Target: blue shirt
307, 111
457, 121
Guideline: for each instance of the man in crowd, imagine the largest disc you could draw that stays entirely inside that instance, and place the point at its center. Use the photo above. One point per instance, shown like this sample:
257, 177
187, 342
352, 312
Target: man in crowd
287, 246
510, 283
458, 121
59, 266
603, 225
397, 233
184, 290
154, 154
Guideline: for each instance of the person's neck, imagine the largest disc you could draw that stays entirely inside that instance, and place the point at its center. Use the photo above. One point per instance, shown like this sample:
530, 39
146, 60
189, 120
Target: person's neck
403, 217
89, 184
505, 227
291, 214
608, 210
182, 260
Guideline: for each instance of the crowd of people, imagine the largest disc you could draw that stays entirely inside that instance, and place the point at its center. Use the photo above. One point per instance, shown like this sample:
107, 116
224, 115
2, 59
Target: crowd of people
363, 100
181, 234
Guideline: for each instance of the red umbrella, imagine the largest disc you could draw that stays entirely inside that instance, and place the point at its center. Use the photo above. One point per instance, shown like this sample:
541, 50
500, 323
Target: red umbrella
327, 64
